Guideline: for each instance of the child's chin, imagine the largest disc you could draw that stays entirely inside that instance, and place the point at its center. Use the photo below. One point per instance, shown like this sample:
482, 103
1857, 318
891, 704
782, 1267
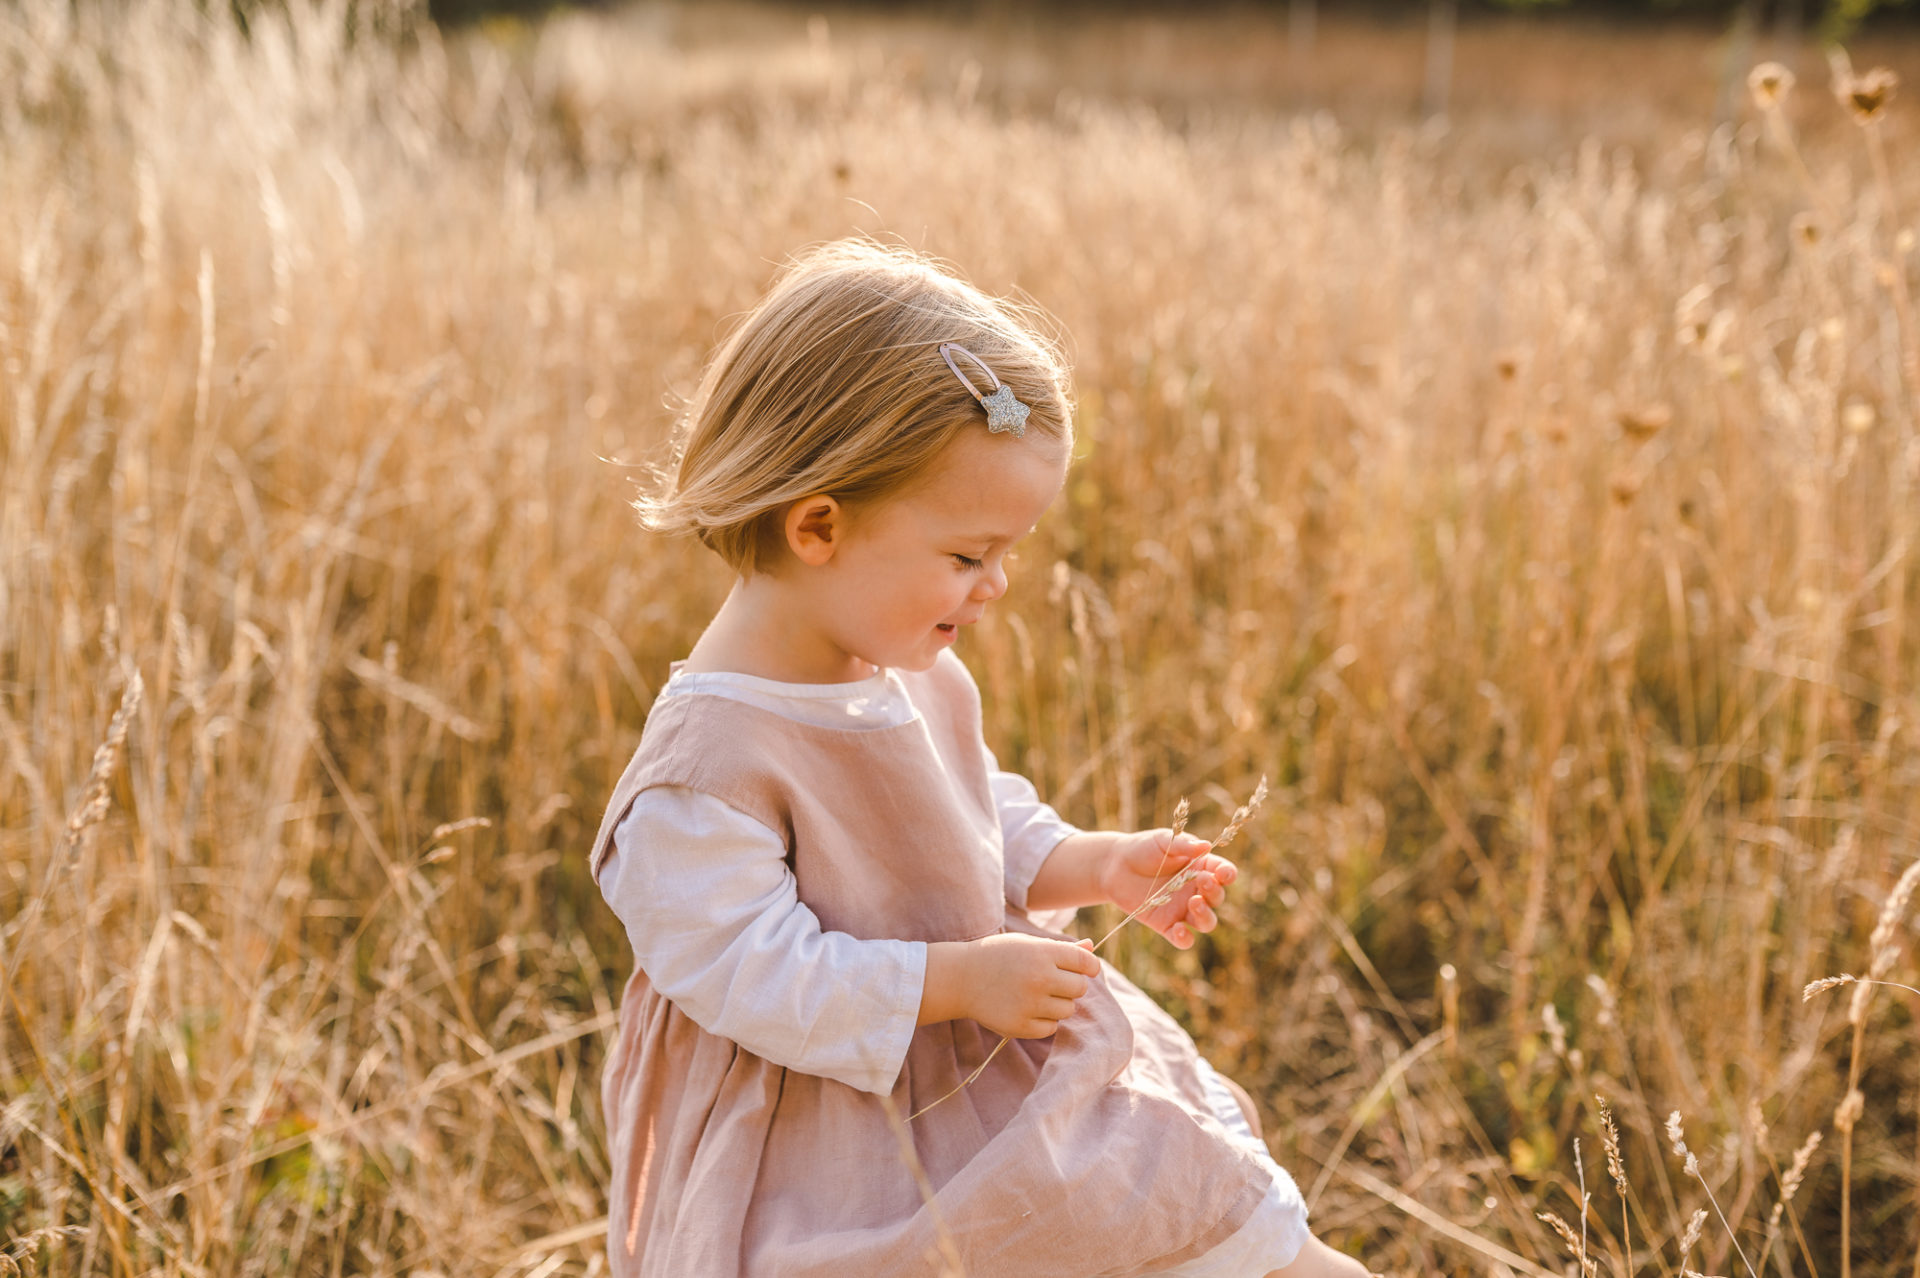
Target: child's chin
915, 662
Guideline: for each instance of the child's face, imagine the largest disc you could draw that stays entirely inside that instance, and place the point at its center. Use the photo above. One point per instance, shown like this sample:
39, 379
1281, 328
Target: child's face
913, 569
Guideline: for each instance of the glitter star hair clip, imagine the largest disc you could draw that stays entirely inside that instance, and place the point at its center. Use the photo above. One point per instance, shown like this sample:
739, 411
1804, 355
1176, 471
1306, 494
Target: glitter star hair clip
1004, 412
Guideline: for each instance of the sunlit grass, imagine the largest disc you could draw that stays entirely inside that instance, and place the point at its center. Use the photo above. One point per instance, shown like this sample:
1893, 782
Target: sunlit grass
1538, 513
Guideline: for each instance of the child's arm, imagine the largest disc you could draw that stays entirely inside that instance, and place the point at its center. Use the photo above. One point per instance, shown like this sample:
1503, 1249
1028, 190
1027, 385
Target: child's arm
1125, 869
1054, 868
1029, 832
714, 915
1014, 984
716, 923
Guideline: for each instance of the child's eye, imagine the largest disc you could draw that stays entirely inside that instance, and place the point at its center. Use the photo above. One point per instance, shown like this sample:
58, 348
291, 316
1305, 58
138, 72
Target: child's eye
967, 562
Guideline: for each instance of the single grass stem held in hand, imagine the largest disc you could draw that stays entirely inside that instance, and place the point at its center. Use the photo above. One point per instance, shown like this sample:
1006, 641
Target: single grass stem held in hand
1073, 975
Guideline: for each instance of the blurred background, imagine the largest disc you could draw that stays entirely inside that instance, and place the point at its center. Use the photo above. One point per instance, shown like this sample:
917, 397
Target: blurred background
1496, 427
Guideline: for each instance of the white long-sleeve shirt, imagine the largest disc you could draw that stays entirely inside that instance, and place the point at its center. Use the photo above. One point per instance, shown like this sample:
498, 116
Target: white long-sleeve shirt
717, 924
716, 921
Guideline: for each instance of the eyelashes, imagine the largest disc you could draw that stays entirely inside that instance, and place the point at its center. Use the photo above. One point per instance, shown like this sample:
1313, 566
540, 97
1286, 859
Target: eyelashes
974, 565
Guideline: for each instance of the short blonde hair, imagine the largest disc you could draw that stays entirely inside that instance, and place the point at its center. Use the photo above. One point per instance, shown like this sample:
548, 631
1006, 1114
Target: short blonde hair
834, 383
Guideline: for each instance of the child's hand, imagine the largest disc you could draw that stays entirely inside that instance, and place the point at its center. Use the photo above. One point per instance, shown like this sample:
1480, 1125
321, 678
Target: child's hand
1130, 878
1017, 985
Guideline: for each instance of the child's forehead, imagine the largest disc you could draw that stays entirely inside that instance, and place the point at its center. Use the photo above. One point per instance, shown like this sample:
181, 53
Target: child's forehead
993, 485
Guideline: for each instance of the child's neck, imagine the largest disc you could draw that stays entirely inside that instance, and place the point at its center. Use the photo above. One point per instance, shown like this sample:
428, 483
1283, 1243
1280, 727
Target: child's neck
764, 629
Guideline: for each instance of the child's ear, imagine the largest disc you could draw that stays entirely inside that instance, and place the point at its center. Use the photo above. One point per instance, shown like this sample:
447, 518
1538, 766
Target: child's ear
814, 528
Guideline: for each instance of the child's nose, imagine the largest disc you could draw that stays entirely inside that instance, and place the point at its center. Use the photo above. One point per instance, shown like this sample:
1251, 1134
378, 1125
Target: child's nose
992, 584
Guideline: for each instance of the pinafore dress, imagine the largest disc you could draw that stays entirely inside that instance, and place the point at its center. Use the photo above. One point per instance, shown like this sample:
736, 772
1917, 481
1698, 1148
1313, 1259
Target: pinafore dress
1093, 1152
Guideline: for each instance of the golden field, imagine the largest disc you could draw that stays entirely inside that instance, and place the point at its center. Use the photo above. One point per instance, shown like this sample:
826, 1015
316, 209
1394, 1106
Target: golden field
1532, 496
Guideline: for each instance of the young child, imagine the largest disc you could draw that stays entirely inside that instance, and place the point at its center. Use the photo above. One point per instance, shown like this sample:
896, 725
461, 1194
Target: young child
833, 893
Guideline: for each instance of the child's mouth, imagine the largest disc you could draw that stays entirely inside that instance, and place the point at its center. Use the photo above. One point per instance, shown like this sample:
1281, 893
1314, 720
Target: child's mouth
946, 627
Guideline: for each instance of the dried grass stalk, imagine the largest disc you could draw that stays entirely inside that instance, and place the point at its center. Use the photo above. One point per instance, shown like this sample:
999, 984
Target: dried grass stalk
94, 799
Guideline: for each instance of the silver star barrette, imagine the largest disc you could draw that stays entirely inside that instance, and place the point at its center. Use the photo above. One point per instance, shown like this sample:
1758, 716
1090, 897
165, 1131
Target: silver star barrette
1004, 412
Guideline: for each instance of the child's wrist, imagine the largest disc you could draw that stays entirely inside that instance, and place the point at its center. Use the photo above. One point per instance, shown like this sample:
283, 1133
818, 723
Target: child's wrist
1106, 866
945, 994
1075, 872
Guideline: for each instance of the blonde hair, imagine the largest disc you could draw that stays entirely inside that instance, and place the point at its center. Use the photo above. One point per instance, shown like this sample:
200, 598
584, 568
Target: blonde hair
834, 383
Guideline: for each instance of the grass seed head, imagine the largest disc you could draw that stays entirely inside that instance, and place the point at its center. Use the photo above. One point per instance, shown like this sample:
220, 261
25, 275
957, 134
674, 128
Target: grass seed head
1884, 943
1826, 983
1571, 1239
94, 799
1790, 1183
1769, 83
1694, 1225
1610, 1141
1603, 992
1645, 421
464, 823
1243, 814
1849, 1111
1866, 96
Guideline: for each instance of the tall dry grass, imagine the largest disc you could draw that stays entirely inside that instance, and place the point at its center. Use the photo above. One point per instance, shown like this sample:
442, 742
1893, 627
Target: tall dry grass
1539, 514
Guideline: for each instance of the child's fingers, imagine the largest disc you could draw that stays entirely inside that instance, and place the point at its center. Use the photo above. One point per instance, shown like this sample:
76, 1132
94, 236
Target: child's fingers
1189, 846
1069, 985
1200, 916
1078, 957
1165, 850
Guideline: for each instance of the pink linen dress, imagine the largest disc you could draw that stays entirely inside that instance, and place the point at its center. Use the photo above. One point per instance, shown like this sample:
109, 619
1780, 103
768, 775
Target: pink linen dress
1095, 1152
